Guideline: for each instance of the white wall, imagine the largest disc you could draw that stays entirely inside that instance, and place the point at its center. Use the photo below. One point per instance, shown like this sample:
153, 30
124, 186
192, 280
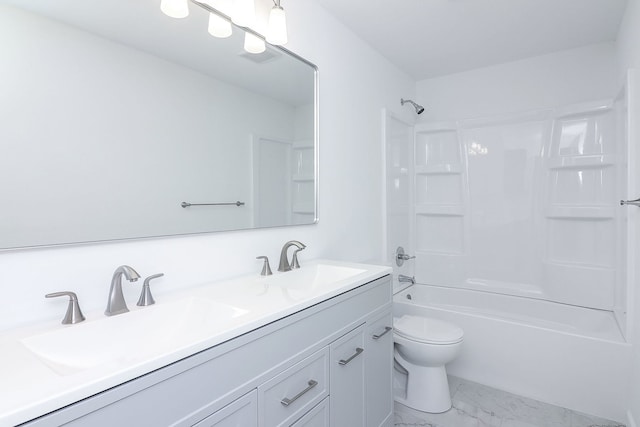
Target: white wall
355, 84
628, 47
628, 39
548, 81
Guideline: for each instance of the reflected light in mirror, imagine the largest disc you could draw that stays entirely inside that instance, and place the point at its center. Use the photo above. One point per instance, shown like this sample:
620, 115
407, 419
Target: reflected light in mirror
218, 26
277, 29
175, 8
244, 13
253, 43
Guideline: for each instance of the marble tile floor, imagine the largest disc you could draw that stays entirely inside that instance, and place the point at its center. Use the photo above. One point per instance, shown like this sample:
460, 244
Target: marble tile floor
476, 405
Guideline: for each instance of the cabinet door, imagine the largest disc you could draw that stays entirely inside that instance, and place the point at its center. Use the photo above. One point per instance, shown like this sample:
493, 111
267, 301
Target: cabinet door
379, 369
242, 412
347, 380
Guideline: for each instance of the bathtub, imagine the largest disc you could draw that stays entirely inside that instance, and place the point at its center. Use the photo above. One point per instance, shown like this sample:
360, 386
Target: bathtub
564, 355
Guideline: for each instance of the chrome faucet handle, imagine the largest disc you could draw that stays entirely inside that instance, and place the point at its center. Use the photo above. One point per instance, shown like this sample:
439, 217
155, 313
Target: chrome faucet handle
294, 259
74, 314
145, 296
266, 268
401, 257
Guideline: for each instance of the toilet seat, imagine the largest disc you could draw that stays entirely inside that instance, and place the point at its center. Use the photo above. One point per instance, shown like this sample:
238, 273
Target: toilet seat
427, 330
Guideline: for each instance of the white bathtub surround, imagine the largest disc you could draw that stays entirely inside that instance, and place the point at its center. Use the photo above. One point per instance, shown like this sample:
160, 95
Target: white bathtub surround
476, 405
524, 204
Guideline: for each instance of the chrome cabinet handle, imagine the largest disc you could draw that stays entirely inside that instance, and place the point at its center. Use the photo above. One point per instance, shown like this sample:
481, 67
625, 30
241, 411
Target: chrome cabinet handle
357, 353
378, 336
286, 401
635, 202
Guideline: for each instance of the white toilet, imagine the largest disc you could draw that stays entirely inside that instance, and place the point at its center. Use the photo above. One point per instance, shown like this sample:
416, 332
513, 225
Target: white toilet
423, 346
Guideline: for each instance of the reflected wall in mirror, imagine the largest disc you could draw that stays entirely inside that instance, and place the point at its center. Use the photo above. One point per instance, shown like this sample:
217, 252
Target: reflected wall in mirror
113, 114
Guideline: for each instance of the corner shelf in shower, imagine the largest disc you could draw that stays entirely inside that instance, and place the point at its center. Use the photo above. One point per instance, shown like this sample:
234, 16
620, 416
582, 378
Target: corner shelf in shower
439, 169
302, 178
581, 212
577, 162
439, 210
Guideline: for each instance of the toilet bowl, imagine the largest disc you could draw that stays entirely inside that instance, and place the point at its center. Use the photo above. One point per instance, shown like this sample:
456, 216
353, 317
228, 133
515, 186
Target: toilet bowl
423, 346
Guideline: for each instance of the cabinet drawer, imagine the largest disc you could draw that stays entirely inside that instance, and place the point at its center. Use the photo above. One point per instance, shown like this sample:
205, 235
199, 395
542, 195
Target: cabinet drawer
285, 398
242, 412
317, 417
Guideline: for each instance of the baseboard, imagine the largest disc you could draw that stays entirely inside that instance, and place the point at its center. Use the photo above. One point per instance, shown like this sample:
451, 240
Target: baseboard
630, 421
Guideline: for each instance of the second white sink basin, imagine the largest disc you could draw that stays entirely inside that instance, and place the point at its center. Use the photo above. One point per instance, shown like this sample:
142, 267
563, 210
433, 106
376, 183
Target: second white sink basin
130, 337
316, 275
310, 280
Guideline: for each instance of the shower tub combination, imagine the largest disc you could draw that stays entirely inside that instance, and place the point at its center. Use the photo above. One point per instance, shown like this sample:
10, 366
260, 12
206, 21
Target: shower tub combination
556, 353
520, 240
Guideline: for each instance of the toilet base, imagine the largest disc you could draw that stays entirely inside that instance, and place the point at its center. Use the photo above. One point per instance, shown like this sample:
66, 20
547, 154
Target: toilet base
427, 388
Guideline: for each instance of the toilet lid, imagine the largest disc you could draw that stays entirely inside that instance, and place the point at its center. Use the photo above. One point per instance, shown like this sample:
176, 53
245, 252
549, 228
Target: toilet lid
427, 330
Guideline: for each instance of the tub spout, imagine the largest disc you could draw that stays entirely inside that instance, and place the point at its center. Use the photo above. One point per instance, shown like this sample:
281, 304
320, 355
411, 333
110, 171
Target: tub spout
406, 279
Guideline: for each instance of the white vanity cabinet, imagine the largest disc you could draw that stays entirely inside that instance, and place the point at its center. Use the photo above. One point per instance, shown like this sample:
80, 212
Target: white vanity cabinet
242, 412
287, 372
378, 368
347, 379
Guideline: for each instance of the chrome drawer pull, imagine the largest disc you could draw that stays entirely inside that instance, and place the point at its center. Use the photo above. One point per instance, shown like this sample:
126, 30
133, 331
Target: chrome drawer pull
635, 202
378, 336
344, 362
286, 401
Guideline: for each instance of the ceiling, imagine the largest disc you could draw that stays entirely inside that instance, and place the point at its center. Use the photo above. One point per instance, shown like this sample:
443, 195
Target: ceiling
429, 38
141, 25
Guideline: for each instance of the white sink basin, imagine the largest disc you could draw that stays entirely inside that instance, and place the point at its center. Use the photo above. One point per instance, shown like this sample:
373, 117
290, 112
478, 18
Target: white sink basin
310, 279
132, 336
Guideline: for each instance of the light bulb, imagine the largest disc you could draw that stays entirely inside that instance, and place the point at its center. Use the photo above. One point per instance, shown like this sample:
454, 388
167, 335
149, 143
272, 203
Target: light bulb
253, 43
244, 13
175, 8
277, 29
218, 26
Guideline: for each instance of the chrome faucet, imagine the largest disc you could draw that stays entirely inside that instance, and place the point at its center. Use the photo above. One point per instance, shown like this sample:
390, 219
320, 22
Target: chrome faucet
284, 261
116, 303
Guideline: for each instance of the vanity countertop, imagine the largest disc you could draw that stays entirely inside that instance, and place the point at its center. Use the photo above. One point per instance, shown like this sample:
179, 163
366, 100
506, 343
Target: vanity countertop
45, 367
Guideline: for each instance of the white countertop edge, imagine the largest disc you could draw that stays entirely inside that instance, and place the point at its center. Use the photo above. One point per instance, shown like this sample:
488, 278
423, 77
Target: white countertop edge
30, 410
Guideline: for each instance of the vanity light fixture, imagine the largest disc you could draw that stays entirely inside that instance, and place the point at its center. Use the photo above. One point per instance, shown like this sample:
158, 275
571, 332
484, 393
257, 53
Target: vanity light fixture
253, 43
218, 26
175, 8
277, 29
244, 13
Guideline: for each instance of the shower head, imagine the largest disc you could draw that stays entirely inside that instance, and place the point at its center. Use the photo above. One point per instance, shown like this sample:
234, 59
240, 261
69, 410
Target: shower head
419, 108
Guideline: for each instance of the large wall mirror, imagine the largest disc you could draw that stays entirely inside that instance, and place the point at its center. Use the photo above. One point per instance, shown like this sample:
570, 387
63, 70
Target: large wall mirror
119, 122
